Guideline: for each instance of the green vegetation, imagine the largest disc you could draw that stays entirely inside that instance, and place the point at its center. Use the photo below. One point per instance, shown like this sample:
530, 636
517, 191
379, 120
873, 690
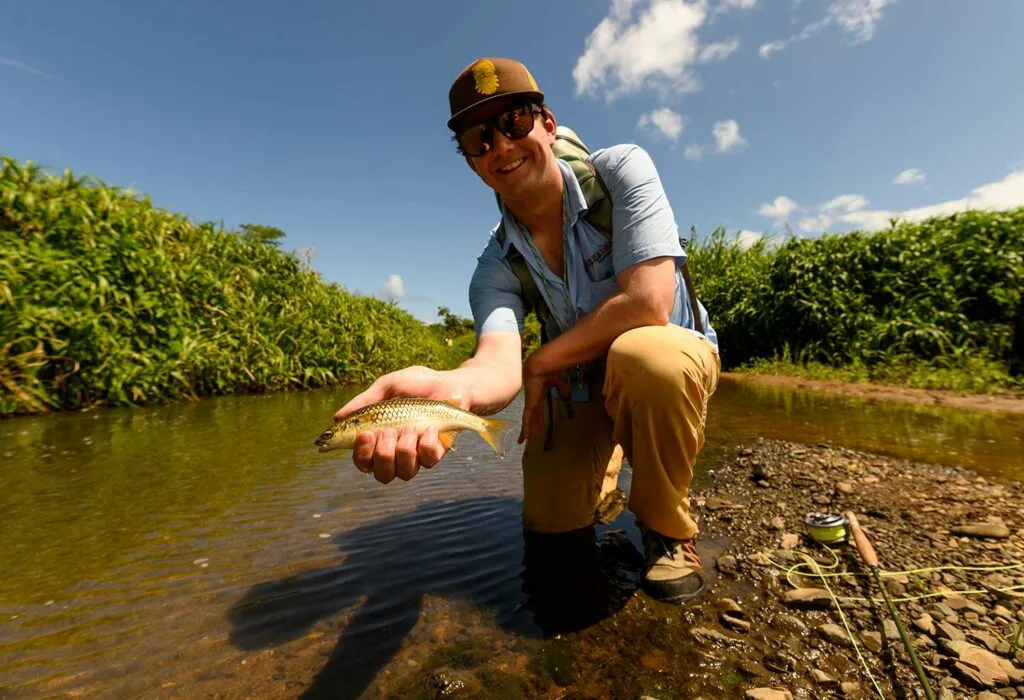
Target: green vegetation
105, 299
936, 304
108, 300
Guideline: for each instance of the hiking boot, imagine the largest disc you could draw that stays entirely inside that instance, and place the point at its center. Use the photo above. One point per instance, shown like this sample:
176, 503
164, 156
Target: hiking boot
673, 572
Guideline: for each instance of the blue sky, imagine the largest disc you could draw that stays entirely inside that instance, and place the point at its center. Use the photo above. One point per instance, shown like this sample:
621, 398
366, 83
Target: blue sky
327, 119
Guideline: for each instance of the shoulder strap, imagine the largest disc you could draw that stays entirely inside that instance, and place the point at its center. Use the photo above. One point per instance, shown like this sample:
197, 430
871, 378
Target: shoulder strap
531, 294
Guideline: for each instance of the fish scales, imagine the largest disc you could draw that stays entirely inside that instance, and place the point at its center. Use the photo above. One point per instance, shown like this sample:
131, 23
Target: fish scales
447, 418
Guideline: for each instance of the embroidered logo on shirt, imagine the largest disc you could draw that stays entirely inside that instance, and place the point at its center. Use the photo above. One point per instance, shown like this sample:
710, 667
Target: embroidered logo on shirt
600, 254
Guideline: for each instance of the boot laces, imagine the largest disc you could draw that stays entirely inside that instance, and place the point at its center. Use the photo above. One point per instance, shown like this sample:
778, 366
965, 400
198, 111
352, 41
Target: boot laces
670, 548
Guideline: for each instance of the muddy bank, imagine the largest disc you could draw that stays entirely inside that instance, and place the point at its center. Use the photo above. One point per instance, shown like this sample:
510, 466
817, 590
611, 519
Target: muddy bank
998, 403
963, 623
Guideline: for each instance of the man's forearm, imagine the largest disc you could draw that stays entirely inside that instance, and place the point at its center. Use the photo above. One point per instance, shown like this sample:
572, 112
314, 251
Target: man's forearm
591, 337
487, 384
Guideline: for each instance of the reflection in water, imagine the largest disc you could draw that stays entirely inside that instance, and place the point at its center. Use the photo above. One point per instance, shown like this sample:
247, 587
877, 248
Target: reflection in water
467, 550
165, 547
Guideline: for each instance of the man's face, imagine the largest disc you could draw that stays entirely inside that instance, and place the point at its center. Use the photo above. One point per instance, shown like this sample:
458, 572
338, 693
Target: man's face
516, 168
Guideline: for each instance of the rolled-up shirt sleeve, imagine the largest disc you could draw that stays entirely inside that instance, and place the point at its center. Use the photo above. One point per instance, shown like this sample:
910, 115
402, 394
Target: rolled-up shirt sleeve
494, 295
643, 223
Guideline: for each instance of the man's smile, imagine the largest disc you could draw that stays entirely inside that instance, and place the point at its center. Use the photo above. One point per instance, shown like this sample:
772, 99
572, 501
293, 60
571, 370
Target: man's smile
506, 169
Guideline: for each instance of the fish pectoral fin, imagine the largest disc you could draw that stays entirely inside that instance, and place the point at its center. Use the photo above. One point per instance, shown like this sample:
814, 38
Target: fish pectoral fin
447, 438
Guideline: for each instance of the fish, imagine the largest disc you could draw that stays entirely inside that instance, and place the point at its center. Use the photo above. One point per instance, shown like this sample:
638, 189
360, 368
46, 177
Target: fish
446, 416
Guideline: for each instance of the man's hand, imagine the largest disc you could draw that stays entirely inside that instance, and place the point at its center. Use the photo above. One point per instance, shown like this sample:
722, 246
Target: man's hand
535, 387
390, 453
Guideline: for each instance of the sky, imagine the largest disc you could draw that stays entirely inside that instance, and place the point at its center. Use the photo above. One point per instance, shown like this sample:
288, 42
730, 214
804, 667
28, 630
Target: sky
327, 119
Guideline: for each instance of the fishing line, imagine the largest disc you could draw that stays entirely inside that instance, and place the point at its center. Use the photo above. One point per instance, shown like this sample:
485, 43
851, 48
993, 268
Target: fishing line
846, 624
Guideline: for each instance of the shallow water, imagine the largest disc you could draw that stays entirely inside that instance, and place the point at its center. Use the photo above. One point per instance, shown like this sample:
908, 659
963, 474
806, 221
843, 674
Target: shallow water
207, 548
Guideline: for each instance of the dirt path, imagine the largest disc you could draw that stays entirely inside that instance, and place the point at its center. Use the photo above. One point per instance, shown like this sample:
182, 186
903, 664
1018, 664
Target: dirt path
976, 402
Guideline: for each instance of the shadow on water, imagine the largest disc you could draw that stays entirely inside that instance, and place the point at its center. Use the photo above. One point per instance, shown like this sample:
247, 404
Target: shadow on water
471, 550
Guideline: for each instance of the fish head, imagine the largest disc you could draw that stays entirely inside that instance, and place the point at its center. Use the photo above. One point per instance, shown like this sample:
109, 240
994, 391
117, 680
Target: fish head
340, 436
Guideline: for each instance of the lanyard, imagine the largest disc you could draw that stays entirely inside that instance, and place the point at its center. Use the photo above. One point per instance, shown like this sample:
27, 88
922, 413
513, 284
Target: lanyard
542, 266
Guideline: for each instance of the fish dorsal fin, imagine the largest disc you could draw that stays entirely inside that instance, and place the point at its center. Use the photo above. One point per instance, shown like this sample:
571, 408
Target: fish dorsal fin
453, 402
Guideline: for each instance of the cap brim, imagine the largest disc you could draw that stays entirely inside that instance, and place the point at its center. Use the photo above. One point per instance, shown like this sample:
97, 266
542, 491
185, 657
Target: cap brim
495, 100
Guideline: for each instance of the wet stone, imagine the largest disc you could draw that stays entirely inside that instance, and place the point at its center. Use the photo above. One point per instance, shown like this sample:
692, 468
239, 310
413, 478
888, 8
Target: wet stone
834, 633
768, 694
727, 564
872, 640
779, 662
850, 689
808, 599
891, 630
821, 678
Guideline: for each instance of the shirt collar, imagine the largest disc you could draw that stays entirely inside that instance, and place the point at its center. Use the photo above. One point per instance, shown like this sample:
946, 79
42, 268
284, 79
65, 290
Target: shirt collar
575, 207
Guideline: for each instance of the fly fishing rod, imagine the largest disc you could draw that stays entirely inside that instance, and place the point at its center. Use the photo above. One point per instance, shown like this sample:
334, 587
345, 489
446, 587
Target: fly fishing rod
867, 553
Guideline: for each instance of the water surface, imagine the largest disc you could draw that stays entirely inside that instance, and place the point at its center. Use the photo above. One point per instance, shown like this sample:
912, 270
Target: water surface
193, 549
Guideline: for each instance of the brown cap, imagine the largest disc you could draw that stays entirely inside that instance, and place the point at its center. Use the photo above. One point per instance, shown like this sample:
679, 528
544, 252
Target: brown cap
489, 80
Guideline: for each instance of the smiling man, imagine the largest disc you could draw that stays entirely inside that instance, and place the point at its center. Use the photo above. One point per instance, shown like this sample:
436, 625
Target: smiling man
628, 359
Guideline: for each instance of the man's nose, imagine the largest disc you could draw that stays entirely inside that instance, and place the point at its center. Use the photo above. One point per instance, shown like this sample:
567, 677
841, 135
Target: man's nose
500, 143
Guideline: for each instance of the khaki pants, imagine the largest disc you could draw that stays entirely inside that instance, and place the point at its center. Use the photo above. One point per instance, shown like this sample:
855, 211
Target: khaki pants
651, 410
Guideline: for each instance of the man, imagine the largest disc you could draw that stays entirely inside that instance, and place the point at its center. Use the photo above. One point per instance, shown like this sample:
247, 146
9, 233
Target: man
635, 376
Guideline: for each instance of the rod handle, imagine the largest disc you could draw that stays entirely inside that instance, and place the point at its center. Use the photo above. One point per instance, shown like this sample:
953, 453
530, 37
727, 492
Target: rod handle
867, 552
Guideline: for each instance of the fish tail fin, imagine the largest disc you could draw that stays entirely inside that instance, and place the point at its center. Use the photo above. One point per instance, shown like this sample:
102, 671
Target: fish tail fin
495, 432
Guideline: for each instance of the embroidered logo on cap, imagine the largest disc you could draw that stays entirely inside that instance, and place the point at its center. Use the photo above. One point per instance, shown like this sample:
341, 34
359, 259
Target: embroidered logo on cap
485, 77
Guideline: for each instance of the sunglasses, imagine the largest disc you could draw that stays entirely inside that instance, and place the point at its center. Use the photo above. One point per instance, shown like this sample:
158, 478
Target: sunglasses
513, 124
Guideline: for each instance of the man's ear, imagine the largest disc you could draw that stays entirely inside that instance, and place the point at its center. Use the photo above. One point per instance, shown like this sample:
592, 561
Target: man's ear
550, 125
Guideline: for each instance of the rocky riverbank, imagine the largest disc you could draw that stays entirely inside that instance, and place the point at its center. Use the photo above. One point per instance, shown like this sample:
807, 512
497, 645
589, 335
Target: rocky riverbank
951, 553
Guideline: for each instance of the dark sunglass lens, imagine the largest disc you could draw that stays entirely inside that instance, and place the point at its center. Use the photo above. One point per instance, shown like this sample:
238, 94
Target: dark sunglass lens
516, 123
476, 140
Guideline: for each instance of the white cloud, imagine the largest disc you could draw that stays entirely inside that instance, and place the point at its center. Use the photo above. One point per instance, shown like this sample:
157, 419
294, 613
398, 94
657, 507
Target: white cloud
910, 176
746, 238
693, 152
736, 4
779, 209
814, 224
719, 50
11, 63
851, 209
663, 120
647, 44
846, 202
727, 135
394, 288
857, 19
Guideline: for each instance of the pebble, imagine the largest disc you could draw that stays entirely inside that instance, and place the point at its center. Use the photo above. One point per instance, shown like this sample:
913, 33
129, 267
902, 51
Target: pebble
808, 599
821, 677
995, 529
727, 564
834, 633
768, 694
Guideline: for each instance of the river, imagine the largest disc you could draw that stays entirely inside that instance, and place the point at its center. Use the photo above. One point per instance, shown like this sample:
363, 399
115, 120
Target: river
207, 549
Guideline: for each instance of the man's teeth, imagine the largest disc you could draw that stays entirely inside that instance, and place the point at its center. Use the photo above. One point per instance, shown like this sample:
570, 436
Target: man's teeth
511, 166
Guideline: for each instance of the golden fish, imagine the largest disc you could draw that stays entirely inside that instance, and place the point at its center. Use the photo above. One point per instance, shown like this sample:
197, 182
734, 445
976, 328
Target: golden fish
446, 417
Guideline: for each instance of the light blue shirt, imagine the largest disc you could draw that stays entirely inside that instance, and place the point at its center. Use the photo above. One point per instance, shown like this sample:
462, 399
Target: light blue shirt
644, 227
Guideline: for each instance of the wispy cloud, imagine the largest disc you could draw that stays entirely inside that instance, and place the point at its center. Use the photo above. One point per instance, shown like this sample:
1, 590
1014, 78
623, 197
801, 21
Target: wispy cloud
19, 65
781, 208
857, 19
394, 287
693, 152
647, 45
664, 121
727, 135
746, 238
850, 211
910, 176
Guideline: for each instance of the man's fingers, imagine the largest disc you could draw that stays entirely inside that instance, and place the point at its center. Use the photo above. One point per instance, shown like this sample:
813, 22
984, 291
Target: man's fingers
378, 391
384, 456
406, 455
362, 452
430, 448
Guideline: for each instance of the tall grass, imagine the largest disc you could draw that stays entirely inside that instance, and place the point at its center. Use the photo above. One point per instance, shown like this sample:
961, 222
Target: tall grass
105, 299
945, 293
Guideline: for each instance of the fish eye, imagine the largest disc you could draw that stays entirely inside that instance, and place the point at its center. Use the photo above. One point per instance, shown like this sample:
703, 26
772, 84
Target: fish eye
326, 435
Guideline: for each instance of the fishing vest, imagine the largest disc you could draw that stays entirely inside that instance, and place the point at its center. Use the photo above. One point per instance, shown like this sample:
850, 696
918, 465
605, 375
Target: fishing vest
571, 149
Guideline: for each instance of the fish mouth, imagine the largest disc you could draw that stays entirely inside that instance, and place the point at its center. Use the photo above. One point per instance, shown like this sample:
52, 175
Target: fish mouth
323, 448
